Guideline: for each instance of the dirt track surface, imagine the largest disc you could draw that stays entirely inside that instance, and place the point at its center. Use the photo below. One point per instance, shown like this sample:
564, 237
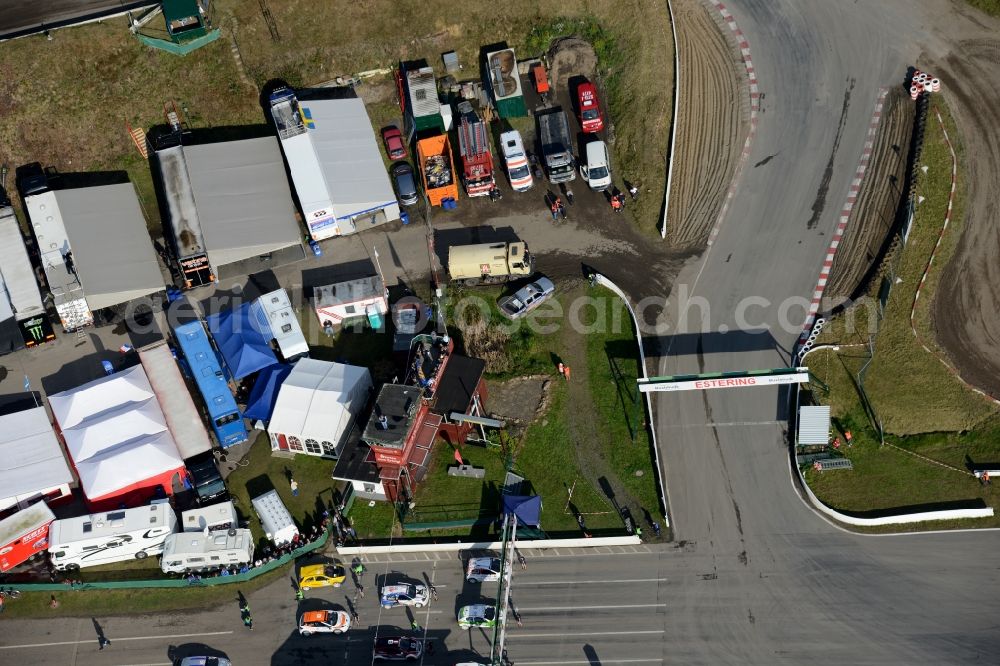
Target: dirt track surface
713, 122
967, 307
873, 214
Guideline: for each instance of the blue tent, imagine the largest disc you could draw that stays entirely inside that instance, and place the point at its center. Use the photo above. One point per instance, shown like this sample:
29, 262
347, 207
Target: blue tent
260, 405
527, 508
243, 346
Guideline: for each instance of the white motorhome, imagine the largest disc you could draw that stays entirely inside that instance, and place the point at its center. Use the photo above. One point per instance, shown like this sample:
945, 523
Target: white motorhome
276, 317
221, 516
100, 538
190, 551
274, 518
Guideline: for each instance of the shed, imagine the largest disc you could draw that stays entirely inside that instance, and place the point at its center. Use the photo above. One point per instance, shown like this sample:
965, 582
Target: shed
317, 405
422, 107
814, 425
32, 463
243, 201
361, 297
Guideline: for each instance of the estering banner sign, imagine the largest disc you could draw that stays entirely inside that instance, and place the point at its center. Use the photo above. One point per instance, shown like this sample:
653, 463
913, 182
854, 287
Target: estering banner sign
727, 380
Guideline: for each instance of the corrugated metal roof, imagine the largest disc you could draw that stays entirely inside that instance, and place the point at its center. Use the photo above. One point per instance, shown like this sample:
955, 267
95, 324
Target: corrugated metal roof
111, 247
243, 198
423, 92
814, 425
18, 275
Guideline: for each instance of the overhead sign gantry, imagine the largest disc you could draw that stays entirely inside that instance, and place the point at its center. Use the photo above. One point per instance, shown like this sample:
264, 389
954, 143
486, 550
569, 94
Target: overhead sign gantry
717, 380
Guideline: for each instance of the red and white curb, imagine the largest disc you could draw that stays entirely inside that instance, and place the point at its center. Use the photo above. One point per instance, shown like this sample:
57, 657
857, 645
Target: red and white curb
930, 262
845, 215
744, 46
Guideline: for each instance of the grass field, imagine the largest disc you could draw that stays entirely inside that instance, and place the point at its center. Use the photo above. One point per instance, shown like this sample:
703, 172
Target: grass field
259, 472
65, 102
97, 603
911, 390
991, 7
925, 410
554, 455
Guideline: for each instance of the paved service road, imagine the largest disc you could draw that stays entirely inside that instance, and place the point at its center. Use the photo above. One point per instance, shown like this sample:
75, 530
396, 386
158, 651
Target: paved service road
782, 585
577, 607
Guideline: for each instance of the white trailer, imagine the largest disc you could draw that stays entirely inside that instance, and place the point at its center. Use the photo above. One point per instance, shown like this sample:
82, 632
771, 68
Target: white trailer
190, 551
274, 518
276, 318
221, 516
115, 536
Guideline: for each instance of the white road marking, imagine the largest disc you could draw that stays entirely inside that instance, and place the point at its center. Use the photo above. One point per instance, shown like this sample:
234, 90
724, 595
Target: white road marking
588, 661
518, 634
117, 639
575, 607
529, 583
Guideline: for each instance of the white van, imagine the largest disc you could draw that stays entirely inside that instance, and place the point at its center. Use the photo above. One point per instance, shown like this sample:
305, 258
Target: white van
274, 518
276, 318
596, 167
517, 161
114, 536
221, 516
189, 551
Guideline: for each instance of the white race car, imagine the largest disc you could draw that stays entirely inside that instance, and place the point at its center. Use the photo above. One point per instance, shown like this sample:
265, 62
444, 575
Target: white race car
406, 594
483, 569
324, 622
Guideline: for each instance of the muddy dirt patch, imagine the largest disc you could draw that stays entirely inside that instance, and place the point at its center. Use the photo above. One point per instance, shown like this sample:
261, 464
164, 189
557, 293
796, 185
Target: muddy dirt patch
874, 212
518, 400
571, 57
713, 120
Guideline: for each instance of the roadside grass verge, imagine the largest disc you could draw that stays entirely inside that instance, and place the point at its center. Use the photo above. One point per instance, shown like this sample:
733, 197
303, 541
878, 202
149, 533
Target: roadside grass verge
100, 603
925, 410
911, 390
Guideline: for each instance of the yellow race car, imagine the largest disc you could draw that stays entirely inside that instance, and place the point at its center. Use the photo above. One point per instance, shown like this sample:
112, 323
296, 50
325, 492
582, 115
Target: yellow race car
321, 575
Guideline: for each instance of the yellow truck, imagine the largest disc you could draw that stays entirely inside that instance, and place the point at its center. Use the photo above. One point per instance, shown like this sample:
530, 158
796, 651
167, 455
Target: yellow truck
489, 263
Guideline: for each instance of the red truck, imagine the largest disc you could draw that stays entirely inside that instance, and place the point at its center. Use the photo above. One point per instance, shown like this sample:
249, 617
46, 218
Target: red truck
24, 534
589, 107
474, 146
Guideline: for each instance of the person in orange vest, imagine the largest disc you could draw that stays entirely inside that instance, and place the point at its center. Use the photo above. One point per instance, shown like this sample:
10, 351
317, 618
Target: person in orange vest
849, 438
566, 372
616, 204
986, 478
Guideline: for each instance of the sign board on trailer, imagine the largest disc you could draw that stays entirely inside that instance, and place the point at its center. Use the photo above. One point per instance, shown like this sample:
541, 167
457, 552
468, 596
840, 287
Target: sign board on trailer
724, 380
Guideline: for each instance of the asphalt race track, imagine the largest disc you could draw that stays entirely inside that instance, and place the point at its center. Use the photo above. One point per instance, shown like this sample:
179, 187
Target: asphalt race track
792, 588
753, 575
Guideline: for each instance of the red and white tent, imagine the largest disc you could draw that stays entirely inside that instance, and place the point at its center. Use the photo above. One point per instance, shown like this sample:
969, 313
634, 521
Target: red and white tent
118, 440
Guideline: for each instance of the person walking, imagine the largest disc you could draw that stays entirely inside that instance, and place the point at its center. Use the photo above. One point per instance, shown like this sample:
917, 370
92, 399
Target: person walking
434, 591
415, 626
295, 487
521, 560
633, 191
656, 528
615, 204
359, 569
566, 372
562, 370
299, 596
247, 620
102, 640
555, 210
569, 196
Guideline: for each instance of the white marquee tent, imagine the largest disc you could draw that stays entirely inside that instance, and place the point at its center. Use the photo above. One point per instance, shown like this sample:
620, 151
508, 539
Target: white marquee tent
31, 460
317, 405
117, 437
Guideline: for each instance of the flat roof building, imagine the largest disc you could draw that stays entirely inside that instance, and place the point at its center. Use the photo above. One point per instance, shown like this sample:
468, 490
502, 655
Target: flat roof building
335, 161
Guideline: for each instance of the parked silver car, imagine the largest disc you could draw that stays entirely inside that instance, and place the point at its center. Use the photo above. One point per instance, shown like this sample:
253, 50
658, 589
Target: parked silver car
527, 298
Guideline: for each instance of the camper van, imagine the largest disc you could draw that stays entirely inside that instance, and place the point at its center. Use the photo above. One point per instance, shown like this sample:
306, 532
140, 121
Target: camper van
189, 551
114, 536
275, 316
274, 518
221, 516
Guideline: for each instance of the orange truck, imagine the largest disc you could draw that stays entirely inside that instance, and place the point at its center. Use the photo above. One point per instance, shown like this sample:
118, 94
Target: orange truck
437, 168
